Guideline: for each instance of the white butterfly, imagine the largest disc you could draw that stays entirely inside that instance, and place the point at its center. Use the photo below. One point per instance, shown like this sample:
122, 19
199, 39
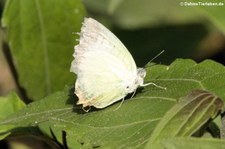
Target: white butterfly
106, 71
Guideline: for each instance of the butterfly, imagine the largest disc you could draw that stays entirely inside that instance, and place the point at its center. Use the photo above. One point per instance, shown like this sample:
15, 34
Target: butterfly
106, 71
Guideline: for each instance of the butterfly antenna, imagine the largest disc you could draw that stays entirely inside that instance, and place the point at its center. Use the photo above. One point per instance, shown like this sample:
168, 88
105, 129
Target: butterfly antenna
155, 57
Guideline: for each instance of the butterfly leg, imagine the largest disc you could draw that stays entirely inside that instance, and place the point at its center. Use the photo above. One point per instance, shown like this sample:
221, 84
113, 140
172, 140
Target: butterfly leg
120, 104
151, 83
133, 93
86, 110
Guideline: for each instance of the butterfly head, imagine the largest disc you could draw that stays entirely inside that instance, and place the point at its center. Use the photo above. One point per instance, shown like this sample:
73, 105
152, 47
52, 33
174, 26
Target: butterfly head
138, 81
141, 73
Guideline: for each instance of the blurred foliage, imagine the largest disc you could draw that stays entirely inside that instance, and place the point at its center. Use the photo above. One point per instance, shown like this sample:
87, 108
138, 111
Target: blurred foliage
177, 41
148, 27
137, 14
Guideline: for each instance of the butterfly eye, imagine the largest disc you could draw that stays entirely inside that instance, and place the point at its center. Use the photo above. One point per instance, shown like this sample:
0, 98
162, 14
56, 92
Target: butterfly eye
127, 87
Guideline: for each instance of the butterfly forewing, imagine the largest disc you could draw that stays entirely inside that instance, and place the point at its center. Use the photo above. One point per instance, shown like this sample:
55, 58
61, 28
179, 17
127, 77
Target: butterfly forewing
102, 64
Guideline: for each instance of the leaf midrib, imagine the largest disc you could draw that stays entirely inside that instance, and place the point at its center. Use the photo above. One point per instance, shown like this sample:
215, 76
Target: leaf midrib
54, 118
45, 51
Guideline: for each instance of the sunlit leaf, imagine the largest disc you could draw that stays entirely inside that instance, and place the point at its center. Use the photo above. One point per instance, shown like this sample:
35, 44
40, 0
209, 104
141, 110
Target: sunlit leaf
187, 116
9, 105
41, 39
193, 143
132, 124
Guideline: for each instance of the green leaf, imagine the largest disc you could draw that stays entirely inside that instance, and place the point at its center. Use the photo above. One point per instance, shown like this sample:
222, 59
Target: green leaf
193, 143
187, 116
40, 36
9, 105
133, 123
182, 76
58, 112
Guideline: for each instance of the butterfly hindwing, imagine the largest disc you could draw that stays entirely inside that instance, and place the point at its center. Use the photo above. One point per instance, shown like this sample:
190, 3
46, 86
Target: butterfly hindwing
103, 66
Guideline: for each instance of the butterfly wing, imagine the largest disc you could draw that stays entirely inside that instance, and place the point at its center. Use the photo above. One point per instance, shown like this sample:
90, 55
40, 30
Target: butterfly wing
103, 66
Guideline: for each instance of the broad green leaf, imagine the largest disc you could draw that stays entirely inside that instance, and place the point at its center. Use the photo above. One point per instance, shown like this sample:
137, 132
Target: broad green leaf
41, 40
182, 76
95, 128
133, 123
9, 105
193, 143
187, 116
